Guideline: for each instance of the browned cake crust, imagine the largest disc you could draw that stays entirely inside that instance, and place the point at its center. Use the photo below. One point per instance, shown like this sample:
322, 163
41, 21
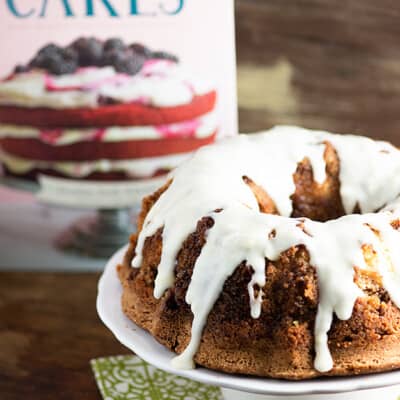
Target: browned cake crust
280, 343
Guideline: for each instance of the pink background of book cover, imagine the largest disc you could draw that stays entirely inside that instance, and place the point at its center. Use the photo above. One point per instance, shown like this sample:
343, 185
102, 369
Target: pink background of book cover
201, 34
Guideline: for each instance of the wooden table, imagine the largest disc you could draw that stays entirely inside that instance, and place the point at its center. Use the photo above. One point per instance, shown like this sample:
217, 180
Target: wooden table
49, 331
322, 64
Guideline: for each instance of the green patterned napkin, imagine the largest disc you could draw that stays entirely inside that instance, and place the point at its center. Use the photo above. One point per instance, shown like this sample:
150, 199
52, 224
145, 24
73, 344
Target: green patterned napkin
129, 377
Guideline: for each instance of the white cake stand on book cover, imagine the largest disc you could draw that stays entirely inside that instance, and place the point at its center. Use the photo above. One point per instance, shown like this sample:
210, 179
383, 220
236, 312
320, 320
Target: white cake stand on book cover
383, 386
100, 235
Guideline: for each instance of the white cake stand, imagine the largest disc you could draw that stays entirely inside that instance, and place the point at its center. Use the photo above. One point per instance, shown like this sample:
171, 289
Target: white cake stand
383, 386
101, 234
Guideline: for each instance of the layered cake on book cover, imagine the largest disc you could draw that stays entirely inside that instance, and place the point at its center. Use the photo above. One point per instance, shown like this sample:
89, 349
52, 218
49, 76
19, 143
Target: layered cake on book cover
103, 110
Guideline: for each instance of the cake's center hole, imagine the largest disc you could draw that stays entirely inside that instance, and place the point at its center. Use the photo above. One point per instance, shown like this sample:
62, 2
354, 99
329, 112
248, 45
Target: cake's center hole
316, 202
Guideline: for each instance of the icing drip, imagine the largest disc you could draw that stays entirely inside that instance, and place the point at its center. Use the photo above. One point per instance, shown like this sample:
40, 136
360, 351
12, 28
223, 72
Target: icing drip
364, 182
213, 180
228, 160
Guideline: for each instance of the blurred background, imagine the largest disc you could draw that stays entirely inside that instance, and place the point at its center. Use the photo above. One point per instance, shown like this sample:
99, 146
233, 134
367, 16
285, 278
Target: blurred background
321, 64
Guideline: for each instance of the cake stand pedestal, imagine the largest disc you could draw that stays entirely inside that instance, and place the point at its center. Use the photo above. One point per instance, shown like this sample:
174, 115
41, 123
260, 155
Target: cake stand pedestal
99, 235
383, 386
112, 204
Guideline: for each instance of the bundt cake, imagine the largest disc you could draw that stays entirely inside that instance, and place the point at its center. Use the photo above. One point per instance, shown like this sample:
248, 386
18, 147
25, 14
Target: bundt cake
275, 254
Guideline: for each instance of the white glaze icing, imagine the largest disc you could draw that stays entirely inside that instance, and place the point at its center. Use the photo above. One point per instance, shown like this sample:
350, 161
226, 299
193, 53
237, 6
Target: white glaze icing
83, 78
197, 128
212, 180
138, 168
29, 90
160, 84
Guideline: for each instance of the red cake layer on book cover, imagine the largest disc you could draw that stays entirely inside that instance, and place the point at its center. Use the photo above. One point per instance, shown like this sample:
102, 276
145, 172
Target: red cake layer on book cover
100, 103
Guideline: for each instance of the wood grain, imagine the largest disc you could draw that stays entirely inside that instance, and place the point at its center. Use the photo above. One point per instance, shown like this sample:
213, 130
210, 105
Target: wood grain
327, 64
49, 331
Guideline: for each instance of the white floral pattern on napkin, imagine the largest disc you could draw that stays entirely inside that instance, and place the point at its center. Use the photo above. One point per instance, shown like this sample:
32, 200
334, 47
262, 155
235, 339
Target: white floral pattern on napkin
130, 378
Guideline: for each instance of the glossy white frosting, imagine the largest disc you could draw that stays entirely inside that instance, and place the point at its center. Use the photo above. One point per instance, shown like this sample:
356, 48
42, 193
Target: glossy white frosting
198, 128
213, 180
160, 83
138, 168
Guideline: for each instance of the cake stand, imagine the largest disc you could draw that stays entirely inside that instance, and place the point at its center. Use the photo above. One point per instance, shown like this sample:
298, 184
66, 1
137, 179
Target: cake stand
113, 202
234, 387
